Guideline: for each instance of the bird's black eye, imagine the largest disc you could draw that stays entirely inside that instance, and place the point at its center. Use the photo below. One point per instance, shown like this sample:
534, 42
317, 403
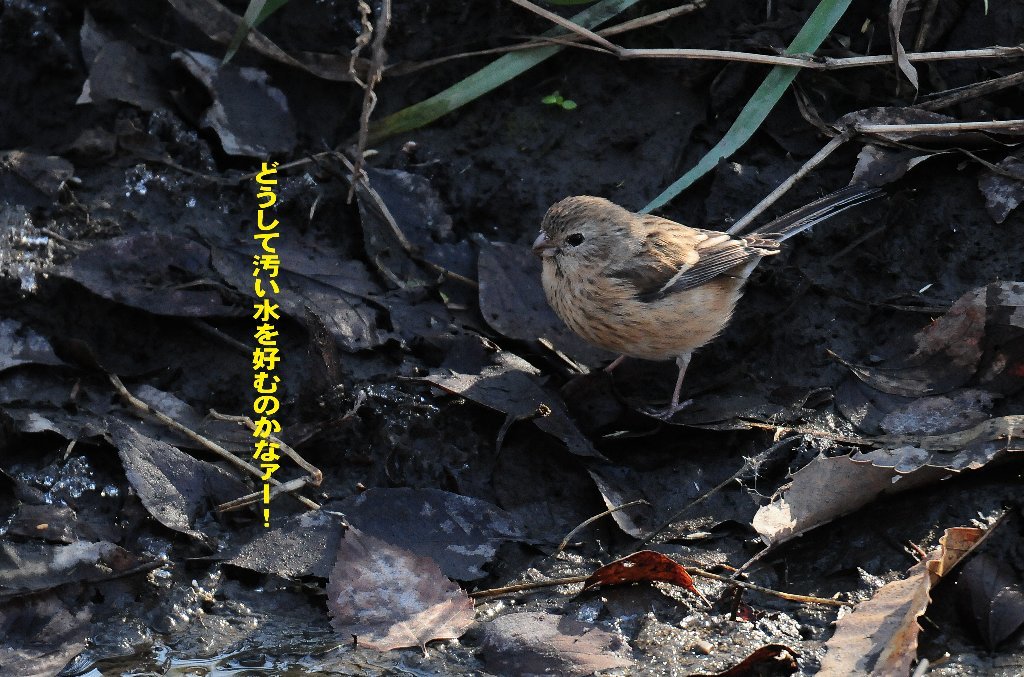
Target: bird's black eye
574, 240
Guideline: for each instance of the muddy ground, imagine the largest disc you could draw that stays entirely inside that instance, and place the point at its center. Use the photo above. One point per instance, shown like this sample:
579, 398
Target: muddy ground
413, 378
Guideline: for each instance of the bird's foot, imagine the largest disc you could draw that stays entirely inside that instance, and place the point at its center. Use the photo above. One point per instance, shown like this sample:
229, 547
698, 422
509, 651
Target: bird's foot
666, 413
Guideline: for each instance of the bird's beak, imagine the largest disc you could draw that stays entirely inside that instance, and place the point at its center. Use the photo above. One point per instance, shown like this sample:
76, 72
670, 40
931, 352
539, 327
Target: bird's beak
541, 246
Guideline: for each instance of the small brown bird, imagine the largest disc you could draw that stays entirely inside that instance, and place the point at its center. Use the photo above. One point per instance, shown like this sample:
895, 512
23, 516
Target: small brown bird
648, 287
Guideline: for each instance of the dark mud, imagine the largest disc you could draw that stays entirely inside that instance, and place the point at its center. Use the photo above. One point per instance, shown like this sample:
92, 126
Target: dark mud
136, 265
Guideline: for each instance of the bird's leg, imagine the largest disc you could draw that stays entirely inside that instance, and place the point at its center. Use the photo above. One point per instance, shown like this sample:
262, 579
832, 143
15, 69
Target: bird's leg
616, 362
683, 361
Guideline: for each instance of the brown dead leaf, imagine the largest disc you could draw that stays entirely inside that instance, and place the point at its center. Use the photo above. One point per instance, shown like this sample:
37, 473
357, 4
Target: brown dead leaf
770, 659
646, 566
827, 488
388, 598
880, 636
946, 353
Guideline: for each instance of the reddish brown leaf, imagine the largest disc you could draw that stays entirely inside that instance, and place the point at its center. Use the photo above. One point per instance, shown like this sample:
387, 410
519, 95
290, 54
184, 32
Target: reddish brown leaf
772, 659
389, 598
645, 566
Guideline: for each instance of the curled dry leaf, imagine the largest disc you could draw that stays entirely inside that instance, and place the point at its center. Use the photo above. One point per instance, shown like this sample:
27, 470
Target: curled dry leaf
880, 636
946, 353
388, 598
896, 10
827, 488
646, 566
879, 166
770, 659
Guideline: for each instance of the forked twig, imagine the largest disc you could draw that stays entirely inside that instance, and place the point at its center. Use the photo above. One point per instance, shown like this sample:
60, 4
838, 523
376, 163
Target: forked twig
206, 443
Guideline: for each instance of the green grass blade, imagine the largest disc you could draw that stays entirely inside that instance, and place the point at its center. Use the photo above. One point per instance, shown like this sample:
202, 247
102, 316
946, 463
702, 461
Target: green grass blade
810, 37
255, 14
487, 78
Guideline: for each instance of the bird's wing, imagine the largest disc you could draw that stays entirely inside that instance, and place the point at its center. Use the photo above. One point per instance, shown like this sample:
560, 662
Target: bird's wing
674, 258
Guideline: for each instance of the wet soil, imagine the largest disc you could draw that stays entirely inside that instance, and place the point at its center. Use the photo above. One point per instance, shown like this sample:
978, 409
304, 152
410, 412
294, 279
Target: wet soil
124, 245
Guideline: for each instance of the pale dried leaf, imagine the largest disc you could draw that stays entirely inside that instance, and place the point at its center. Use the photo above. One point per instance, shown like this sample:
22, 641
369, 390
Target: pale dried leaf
537, 643
896, 10
388, 598
827, 488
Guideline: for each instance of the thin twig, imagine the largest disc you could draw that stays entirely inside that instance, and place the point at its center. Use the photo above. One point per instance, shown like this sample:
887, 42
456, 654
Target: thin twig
747, 465
199, 439
519, 587
972, 91
378, 55
568, 25
770, 199
806, 599
315, 476
400, 69
932, 128
571, 580
591, 520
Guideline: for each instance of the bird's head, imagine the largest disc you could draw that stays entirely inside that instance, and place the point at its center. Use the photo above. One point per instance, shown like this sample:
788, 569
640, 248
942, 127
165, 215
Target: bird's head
581, 232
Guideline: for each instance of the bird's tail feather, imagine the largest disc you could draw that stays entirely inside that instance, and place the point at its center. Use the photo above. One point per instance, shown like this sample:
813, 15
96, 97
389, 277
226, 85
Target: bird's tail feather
821, 209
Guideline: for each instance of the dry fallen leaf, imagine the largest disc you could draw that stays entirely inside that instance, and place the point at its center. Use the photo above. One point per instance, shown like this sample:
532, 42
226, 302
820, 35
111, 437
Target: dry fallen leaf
646, 566
538, 643
388, 598
880, 636
770, 659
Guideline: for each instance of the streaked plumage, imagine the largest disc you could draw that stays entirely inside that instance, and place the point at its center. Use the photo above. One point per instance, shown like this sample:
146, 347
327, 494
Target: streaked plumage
648, 287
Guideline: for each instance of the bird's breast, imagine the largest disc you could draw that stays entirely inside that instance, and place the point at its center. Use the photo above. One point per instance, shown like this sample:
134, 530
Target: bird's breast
607, 313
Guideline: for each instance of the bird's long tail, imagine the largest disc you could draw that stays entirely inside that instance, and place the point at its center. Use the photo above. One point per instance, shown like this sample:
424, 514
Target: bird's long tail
821, 209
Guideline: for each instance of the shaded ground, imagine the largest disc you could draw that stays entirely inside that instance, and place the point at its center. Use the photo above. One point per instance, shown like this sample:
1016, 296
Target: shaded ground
126, 249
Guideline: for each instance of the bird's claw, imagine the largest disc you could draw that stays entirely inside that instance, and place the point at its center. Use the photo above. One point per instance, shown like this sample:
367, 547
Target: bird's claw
666, 413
